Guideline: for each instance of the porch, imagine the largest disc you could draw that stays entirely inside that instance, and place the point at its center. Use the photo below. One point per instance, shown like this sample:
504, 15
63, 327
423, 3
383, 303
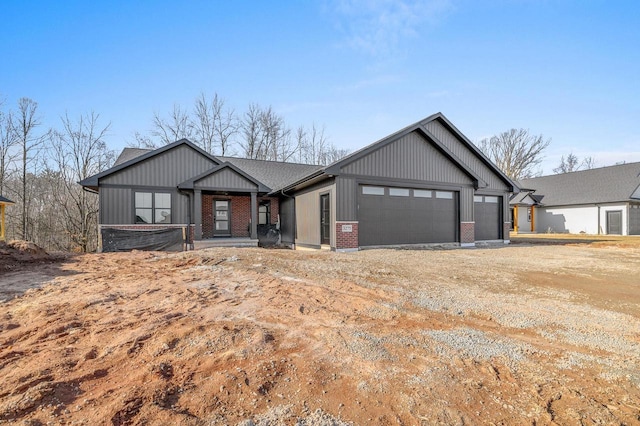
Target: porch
225, 242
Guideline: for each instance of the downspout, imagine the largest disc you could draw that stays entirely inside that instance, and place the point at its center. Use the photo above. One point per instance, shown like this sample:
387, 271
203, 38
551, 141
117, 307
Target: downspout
599, 228
189, 242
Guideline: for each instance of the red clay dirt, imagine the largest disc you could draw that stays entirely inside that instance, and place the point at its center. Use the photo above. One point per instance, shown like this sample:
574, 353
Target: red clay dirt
526, 334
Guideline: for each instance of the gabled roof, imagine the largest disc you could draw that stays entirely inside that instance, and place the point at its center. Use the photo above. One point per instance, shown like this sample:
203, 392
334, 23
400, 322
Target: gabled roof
129, 154
92, 181
602, 185
274, 174
525, 197
5, 200
420, 127
189, 184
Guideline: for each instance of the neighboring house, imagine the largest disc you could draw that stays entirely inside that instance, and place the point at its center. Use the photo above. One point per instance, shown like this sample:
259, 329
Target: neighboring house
3, 203
424, 184
605, 200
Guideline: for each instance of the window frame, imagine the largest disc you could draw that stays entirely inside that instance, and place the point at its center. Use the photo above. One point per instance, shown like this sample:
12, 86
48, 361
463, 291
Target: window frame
267, 204
154, 210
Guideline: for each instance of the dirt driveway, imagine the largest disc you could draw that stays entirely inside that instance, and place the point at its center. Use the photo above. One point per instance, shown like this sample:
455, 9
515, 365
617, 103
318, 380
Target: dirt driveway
525, 334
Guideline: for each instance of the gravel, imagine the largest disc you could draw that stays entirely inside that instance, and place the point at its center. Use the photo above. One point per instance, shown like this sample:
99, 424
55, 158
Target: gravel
478, 345
282, 415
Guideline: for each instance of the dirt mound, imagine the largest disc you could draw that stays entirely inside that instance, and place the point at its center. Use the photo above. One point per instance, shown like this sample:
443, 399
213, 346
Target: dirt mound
17, 252
22, 250
248, 337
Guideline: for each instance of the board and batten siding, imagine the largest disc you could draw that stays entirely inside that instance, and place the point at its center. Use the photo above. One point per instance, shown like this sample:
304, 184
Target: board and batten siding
411, 157
167, 169
411, 161
465, 154
307, 209
226, 179
116, 205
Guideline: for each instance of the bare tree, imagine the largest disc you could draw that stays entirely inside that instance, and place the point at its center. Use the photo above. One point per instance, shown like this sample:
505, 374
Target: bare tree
30, 144
142, 141
314, 147
516, 152
79, 151
214, 125
334, 154
572, 163
589, 163
276, 137
8, 140
251, 126
568, 164
177, 126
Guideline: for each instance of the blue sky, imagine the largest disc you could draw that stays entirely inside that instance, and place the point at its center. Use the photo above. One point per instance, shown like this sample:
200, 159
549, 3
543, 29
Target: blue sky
569, 70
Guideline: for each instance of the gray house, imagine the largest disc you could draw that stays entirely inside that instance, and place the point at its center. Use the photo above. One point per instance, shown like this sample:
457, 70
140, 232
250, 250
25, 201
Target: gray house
424, 184
605, 200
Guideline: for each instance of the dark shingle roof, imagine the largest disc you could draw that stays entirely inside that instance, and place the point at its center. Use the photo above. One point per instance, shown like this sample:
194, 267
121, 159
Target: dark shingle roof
601, 185
5, 200
129, 154
275, 174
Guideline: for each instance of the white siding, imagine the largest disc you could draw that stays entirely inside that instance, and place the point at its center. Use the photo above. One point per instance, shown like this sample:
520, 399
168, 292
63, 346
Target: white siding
573, 220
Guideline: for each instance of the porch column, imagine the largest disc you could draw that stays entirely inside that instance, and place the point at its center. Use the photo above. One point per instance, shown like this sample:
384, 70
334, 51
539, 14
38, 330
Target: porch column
254, 216
197, 213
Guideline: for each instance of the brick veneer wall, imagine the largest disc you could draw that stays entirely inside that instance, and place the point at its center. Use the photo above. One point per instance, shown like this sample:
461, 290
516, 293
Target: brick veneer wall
346, 240
240, 213
506, 230
467, 232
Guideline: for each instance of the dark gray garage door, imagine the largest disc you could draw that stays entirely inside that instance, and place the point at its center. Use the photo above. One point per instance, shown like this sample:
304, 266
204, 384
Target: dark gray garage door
634, 219
614, 222
388, 216
488, 217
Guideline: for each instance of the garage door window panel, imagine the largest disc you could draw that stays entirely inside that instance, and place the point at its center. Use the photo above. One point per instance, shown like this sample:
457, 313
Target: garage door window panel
445, 195
421, 193
373, 190
398, 192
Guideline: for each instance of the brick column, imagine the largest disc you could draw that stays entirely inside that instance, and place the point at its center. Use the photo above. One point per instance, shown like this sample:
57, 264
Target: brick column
507, 229
467, 234
346, 236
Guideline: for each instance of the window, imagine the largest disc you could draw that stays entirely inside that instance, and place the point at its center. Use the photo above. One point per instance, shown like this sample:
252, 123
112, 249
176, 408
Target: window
398, 192
444, 194
153, 207
421, 193
372, 190
477, 198
490, 199
264, 213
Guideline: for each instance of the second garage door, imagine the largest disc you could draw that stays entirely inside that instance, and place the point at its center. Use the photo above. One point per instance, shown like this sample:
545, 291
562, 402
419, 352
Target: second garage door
395, 216
488, 217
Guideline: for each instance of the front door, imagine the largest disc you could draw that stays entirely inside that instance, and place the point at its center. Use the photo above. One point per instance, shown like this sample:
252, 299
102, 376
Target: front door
222, 218
325, 219
614, 222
